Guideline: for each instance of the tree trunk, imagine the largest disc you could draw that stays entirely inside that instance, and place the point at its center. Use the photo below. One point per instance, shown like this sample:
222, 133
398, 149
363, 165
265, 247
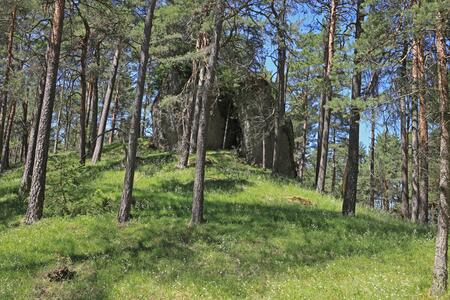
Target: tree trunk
106, 103
198, 108
24, 143
302, 162
372, 158
322, 105
415, 162
83, 83
199, 183
36, 200
404, 136
440, 273
114, 117
8, 69
281, 89
328, 91
351, 185
58, 128
125, 202
334, 165
28, 168
94, 102
195, 81
4, 163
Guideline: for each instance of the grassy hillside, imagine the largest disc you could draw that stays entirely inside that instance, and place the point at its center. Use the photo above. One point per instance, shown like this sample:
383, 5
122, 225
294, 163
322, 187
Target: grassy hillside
265, 238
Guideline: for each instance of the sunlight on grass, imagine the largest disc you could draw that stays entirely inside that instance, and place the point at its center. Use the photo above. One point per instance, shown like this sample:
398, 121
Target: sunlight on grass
260, 240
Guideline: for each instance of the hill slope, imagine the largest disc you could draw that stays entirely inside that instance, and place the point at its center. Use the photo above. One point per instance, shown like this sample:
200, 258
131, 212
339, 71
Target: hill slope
265, 238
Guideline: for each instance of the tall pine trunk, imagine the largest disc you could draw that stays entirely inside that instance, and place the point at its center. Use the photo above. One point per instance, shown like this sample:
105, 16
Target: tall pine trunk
351, 180
328, 95
302, 162
4, 163
83, 83
279, 119
210, 70
94, 102
404, 136
440, 272
28, 167
114, 117
372, 157
6, 78
96, 156
125, 202
193, 85
36, 199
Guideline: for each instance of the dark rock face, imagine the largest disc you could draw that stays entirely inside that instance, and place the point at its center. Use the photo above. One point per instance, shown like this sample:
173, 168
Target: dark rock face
240, 119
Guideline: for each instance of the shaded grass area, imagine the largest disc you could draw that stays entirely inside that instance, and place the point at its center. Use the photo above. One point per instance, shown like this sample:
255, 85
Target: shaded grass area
257, 243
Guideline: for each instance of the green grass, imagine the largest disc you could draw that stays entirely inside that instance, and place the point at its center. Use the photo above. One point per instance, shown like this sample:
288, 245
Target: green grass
257, 242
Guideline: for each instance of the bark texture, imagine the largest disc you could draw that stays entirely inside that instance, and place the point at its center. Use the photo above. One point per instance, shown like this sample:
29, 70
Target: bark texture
125, 202
440, 272
96, 156
8, 69
351, 180
328, 94
199, 182
36, 199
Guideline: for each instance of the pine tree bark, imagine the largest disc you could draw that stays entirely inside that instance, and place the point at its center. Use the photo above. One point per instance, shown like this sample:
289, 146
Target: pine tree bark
114, 117
4, 163
125, 202
199, 182
415, 162
25, 184
440, 272
328, 95
36, 199
198, 108
24, 143
418, 75
372, 158
58, 129
94, 102
322, 105
96, 156
302, 162
279, 119
8, 69
83, 83
351, 180
193, 84
404, 137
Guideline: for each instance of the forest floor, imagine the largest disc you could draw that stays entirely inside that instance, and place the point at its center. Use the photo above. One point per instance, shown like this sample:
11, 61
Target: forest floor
265, 237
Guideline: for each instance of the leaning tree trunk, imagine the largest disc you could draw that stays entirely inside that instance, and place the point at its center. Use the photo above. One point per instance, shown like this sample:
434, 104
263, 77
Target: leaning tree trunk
36, 200
28, 168
196, 80
6, 78
83, 83
404, 136
125, 202
106, 103
328, 90
351, 180
440, 273
199, 182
